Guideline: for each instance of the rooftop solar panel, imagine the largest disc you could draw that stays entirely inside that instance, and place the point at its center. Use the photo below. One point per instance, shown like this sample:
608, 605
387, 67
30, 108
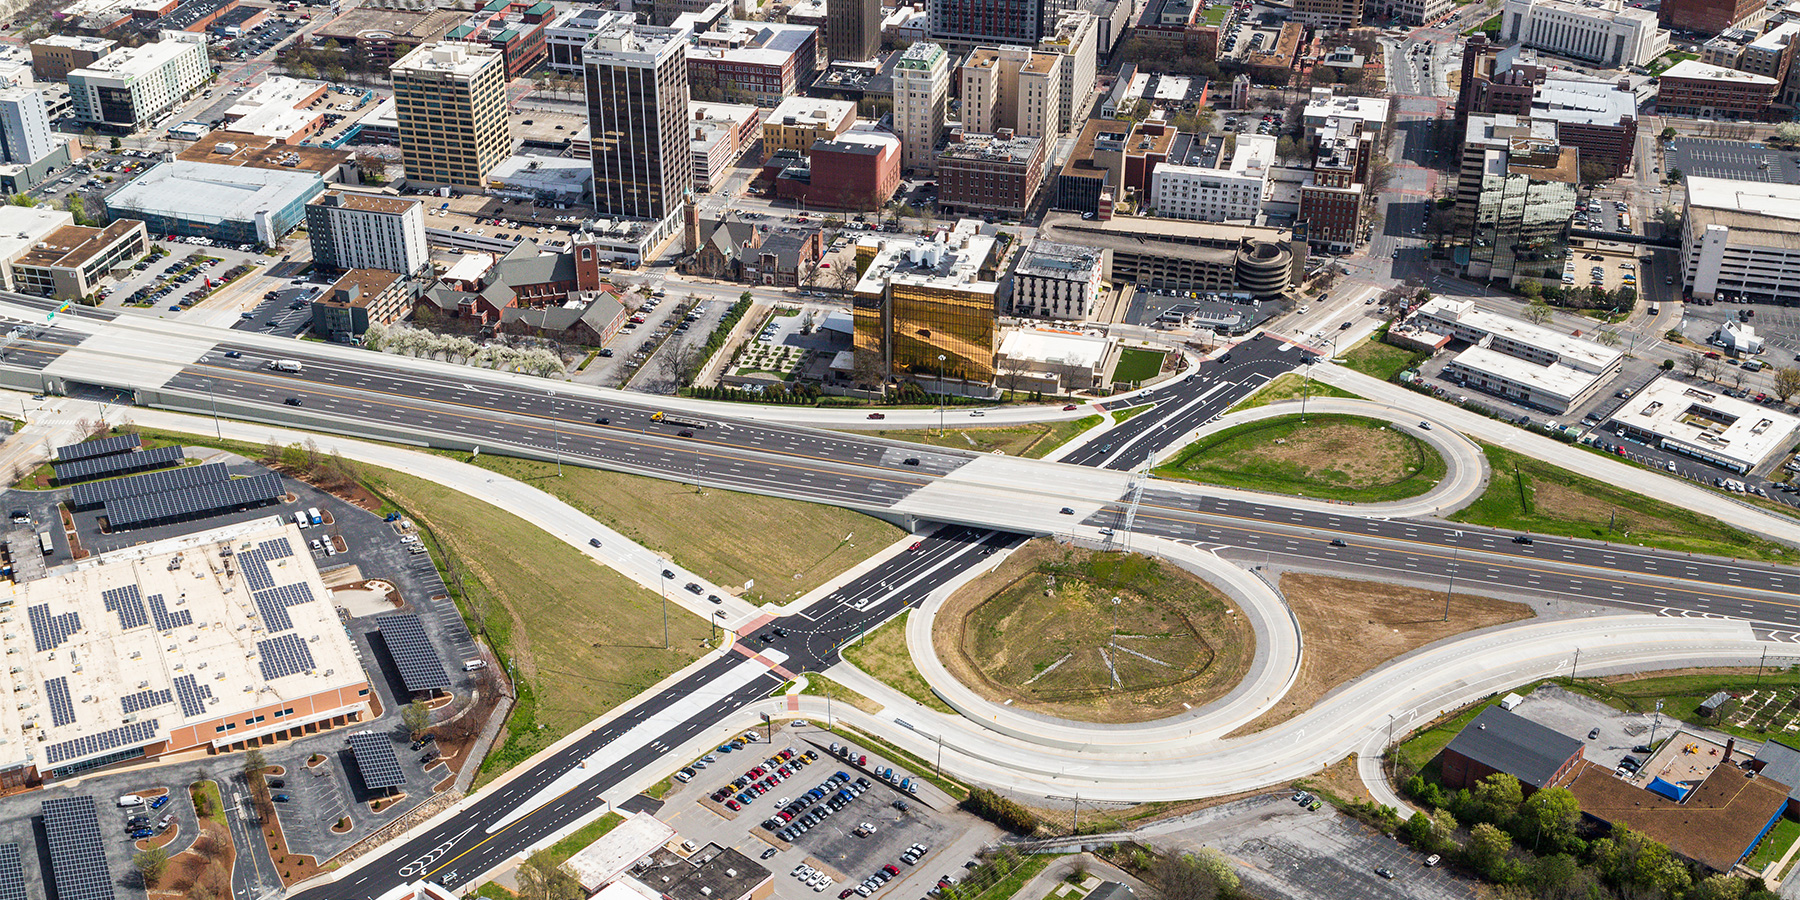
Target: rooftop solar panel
12, 873
166, 620
192, 695
94, 493
49, 631
62, 709
143, 700
118, 443
273, 604
129, 604
206, 499
284, 654
376, 760
117, 464
421, 669
77, 853
136, 734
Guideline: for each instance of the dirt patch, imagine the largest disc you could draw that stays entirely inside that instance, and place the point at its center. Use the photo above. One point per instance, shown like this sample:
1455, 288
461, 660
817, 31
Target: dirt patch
1350, 627
380, 803
160, 840
206, 863
294, 867
1040, 633
349, 576
1350, 455
1341, 780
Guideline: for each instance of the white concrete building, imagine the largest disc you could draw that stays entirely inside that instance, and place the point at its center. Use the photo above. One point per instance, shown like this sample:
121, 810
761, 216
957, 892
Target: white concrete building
1525, 363
130, 88
1322, 106
921, 101
1607, 32
1739, 337
719, 133
367, 231
1057, 281
1213, 186
25, 134
570, 32
1056, 362
1077, 38
1706, 425
1012, 87
1741, 239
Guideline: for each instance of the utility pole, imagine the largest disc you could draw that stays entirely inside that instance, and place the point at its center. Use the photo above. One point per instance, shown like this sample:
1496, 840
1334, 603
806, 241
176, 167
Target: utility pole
1759, 666
939, 768
940, 395
1575, 665
1454, 559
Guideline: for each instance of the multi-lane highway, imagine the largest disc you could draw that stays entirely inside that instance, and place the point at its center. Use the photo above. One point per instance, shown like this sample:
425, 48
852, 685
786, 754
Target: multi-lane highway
851, 470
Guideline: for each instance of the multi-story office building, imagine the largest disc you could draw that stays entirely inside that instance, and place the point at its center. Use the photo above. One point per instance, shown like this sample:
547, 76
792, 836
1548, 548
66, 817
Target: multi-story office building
450, 99
367, 231
990, 174
1407, 12
853, 33
1331, 15
719, 133
799, 122
565, 37
758, 62
1076, 36
25, 134
1056, 281
1484, 133
1013, 87
1607, 32
1214, 184
1740, 240
69, 263
921, 98
361, 298
1693, 88
1111, 157
968, 23
637, 98
55, 56
127, 90
1523, 199
1525, 363
924, 307
382, 35
1333, 198
1596, 116
1708, 16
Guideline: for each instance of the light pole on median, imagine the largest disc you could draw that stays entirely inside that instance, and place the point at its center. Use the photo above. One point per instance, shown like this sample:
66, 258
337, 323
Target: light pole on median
940, 395
1454, 559
556, 433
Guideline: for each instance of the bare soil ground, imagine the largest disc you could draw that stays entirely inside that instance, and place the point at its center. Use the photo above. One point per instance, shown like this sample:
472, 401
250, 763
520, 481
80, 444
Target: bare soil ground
1013, 637
1350, 627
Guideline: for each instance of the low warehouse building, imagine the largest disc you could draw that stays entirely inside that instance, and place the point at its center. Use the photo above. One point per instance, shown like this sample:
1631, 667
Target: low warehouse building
241, 204
1500, 740
1706, 425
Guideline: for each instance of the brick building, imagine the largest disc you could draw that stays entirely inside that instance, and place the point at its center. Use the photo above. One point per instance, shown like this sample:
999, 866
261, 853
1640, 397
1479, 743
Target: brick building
1500, 740
1691, 88
990, 174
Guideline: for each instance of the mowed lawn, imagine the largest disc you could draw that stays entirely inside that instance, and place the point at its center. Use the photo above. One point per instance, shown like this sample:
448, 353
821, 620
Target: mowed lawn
1137, 366
785, 546
1334, 457
1031, 440
584, 638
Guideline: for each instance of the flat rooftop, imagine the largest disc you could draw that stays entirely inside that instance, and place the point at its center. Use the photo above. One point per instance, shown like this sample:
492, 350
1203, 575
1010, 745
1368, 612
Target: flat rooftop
454, 58
1708, 421
951, 261
604, 859
1573, 350
224, 191
1715, 825
1695, 70
399, 25
71, 246
258, 151
1561, 380
124, 649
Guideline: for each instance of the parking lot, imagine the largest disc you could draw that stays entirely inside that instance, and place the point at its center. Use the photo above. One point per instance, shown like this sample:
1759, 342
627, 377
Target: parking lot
1578, 716
285, 311
1736, 160
1283, 849
875, 827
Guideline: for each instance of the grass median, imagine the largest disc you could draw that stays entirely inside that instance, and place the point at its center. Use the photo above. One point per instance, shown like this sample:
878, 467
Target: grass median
786, 547
883, 654
1528, 494
1032, 440
1331, 457
1377, 358
1290, 386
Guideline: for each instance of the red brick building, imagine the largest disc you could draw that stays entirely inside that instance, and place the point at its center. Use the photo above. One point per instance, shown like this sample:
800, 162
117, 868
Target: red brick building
858, 171
1500, 740
513, 27
989, 174
1707, 16
1692, 88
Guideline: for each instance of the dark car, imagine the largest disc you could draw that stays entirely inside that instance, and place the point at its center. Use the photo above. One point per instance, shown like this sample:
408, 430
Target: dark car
593, 542
282, 798
1594, 735
684, 433
715, 598
1522, 539
668, 574
769, 852
233, 354
1338, 542
877, 415
292, 401
603, 420
273, 782
910, 461
694, 588
1385, 872
1067, 511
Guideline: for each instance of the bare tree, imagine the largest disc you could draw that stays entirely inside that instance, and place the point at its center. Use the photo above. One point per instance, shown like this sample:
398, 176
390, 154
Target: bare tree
1709, 369
1738, 377
1537, 313
1694, 363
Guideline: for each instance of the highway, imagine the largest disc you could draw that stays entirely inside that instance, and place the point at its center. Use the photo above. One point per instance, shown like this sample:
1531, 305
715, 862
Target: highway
874, 475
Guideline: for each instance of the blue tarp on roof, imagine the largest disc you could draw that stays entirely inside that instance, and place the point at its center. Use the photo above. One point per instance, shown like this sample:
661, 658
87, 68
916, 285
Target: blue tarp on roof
1668, 789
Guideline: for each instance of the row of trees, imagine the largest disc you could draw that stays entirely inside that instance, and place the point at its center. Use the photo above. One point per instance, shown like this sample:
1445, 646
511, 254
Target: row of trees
1533, 847
1786, 379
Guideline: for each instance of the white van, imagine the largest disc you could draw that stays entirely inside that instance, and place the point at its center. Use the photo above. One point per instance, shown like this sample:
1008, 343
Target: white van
470, 665
300, 519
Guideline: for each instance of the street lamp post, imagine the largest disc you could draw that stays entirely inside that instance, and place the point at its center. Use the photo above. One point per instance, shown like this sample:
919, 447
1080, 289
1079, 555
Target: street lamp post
940, 394
556, 434
211, 398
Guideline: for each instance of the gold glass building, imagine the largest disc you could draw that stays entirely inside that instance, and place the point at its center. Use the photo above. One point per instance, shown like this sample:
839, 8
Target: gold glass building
920, 298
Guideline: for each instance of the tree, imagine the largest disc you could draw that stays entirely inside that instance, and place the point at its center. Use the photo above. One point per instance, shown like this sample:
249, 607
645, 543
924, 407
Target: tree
1738, 377
416, 717
22, 200
1594, 171
1787, 382
1553, 874
1608, 337
1531, 289
1287, 148
1674, 174
1693, 362
1538, 312
254, 764
1718, 887
116, 143
1550, 815
1488, 846
151, 864
77, 208
1497, 797
1709, 369
1194, 876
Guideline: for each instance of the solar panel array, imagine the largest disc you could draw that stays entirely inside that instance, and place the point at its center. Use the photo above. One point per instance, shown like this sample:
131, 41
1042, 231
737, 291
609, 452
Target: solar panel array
143, 700
126, 512
48, 631
192, 695
12, 873
376, 760
274, 602
62, 708
118, 443
134, 735
165, 620
129, 604
77, 853
95, 493
255, 562
420, 667
117, 464
284, 654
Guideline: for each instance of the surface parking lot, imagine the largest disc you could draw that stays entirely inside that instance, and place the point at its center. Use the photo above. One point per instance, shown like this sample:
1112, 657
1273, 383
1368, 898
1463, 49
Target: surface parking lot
1736, 160
832, 846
